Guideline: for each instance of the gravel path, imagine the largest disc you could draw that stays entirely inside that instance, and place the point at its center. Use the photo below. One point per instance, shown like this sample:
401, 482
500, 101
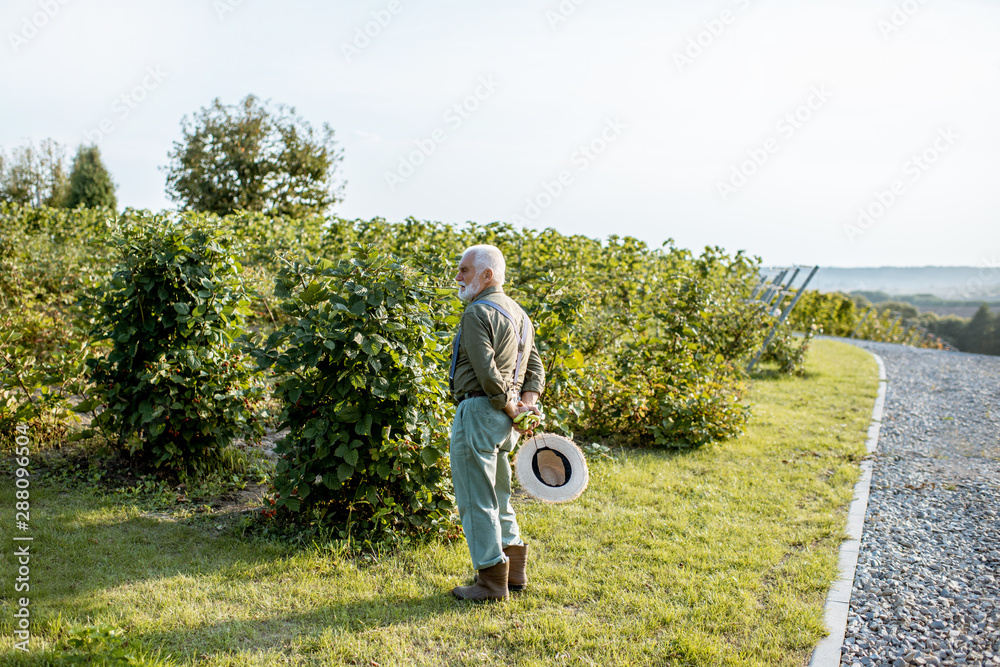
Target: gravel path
927, 586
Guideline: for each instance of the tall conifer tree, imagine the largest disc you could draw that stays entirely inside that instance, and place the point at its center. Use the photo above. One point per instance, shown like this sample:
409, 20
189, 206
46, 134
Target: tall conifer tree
90, 184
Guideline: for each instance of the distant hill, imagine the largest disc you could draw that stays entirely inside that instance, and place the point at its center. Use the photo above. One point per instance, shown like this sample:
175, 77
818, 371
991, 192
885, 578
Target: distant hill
953, 283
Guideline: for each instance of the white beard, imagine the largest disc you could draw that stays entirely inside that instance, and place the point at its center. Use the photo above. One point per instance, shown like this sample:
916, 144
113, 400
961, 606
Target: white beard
466, 292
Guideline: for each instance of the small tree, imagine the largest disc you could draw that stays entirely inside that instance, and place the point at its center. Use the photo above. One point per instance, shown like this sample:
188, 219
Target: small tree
176, 387
90, 184
364, 398
255, 158
34, 176
980, 333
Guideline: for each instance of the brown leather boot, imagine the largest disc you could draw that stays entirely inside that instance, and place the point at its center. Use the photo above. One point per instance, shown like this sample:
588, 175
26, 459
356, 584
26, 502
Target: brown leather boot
491, 584
517, 577
517, 574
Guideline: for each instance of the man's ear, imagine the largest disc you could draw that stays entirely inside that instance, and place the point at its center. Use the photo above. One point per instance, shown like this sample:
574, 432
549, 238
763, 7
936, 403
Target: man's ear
487, 276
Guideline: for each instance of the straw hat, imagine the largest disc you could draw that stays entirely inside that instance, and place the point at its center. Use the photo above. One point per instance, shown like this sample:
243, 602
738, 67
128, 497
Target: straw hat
551, 468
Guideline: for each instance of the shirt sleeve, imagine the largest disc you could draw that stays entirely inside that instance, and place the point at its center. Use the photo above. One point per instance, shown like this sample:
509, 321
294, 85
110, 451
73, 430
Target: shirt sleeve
534, 377
477, 343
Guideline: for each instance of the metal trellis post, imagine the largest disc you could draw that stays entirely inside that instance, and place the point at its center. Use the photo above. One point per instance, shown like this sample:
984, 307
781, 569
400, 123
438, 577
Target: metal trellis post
788, 309
863, 318
769, 293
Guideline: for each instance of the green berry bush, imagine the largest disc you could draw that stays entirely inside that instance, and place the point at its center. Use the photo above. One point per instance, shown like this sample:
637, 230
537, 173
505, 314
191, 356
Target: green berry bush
363, 371
175, 386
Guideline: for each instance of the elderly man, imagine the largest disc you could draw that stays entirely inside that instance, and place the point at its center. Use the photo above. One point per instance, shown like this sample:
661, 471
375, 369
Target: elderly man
496, 374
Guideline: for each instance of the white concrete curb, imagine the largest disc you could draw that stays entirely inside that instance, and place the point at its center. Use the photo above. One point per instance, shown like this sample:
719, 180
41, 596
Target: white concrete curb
838, 601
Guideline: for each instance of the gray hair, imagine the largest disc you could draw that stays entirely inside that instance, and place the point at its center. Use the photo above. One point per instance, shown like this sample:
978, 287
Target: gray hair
489, 257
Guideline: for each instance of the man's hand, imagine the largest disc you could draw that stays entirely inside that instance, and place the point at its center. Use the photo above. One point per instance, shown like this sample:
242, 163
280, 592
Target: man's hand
529, 398
514, 410
528, 420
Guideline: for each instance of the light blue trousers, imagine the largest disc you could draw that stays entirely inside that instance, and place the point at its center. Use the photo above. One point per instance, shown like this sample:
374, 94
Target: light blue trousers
481, 438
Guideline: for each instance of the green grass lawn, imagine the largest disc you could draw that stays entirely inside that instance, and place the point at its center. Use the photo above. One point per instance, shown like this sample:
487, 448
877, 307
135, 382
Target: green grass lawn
720, 556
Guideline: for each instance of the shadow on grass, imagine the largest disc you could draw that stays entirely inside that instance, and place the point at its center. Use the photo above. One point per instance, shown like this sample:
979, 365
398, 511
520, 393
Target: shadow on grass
106, 552
773, 375
103, 543
307, 629
275, 633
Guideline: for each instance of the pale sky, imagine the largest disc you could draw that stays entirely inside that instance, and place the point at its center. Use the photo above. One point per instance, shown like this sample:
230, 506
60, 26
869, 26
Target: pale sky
761, 125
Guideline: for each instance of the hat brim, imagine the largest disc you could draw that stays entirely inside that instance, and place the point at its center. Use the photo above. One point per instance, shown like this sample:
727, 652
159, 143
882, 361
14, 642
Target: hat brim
568, 454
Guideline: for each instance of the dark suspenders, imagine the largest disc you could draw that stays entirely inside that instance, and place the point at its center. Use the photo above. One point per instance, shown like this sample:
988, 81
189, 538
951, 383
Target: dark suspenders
520, 346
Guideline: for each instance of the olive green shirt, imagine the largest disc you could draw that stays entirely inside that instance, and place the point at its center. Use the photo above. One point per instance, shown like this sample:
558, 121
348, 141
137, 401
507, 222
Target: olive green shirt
487, 352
